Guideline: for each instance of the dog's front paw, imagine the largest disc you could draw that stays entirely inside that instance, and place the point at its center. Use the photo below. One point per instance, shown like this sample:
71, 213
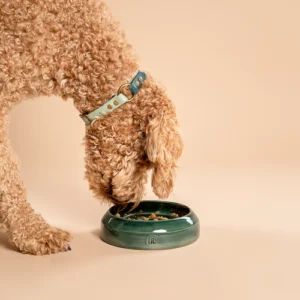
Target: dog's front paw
44, 241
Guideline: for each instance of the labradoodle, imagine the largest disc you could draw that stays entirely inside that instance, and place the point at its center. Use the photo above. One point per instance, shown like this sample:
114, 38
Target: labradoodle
76, 50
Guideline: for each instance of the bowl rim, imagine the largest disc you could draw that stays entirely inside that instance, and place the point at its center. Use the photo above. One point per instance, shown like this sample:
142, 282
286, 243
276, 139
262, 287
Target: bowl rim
155, 201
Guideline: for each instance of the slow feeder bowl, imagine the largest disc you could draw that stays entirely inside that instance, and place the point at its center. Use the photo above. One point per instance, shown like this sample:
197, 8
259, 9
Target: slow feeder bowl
125, 232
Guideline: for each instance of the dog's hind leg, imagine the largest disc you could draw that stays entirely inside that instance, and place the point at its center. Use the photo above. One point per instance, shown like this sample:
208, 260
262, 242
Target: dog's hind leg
27, 230
3, 228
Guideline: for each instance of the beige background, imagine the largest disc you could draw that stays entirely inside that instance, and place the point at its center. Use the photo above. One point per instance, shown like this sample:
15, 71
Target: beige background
233, 70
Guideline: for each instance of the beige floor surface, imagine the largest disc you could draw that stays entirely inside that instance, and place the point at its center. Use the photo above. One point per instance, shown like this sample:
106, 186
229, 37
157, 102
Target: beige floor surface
224, 264
256, 257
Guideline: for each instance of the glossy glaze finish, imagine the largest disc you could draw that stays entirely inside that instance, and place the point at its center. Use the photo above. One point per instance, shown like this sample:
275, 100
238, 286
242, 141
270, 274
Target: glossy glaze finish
151, 235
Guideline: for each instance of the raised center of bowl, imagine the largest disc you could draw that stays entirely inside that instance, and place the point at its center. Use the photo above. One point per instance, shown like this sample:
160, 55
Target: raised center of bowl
152, 211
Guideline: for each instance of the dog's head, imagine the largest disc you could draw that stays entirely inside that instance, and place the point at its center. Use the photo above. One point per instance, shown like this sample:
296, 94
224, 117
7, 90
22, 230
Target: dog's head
122, 146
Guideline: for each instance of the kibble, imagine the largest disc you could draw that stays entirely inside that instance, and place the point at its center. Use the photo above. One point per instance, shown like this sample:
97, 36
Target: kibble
153, 217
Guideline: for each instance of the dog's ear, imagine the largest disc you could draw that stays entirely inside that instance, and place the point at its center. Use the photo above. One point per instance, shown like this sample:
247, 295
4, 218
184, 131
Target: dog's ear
164, 146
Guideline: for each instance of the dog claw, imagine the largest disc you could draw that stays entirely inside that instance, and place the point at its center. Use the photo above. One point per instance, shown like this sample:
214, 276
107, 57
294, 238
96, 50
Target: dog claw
68, 249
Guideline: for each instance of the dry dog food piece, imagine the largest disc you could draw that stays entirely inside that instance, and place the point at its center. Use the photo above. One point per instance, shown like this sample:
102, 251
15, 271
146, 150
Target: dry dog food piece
117, 215
162, 218
175, 215
152, 217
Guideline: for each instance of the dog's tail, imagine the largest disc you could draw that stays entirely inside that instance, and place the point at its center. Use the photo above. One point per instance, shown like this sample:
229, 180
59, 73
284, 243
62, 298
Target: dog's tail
164, 146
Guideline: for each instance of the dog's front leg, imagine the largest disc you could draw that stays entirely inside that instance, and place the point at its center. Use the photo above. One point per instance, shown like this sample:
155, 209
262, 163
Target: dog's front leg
27, 230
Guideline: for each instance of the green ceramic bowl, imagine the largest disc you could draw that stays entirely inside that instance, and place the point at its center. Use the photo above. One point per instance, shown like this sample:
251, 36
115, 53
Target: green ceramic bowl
123, 228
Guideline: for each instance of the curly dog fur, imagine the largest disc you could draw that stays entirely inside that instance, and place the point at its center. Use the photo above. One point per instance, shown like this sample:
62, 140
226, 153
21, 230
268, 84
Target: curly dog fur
76, 50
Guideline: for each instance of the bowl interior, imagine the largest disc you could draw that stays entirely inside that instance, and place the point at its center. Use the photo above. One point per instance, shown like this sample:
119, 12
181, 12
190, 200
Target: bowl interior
163, 210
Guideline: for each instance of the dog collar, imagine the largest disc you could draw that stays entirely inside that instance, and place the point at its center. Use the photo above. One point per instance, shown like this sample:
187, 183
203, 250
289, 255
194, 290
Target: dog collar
117, 100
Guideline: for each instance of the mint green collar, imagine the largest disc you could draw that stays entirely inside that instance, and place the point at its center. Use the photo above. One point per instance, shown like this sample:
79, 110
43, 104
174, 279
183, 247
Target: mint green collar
116, 101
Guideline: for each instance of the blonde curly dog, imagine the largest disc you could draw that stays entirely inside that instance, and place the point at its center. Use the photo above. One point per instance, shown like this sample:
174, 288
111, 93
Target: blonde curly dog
76, 50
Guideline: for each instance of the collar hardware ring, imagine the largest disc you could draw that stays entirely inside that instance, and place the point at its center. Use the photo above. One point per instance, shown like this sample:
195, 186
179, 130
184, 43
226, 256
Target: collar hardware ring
126, 85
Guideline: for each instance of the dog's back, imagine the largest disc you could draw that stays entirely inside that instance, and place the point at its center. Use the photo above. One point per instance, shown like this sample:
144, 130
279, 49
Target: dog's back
34, 36
19, 34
